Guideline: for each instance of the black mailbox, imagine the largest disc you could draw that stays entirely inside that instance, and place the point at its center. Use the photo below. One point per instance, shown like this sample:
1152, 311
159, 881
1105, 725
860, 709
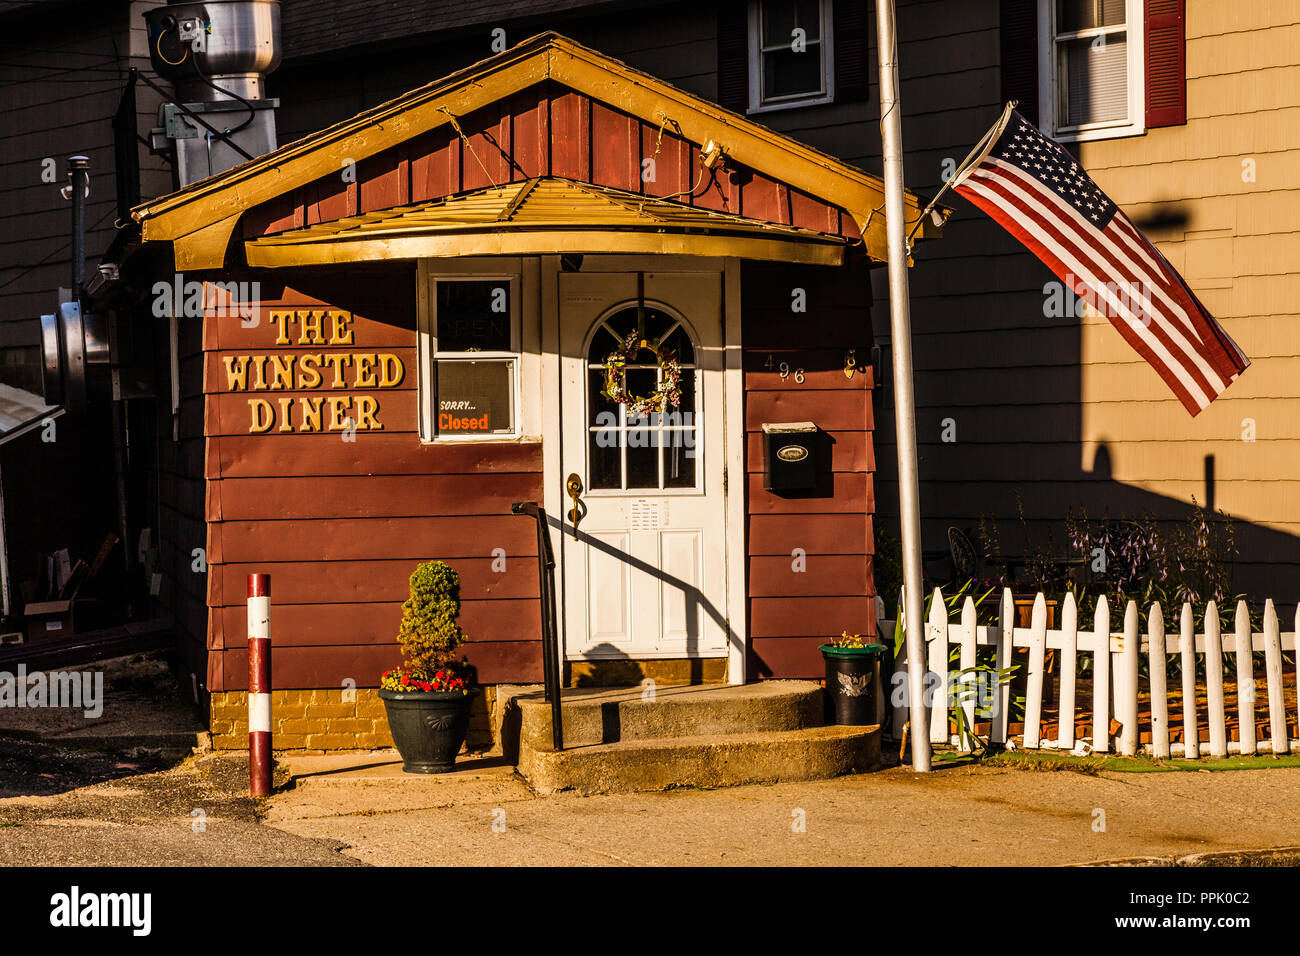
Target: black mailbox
790, 456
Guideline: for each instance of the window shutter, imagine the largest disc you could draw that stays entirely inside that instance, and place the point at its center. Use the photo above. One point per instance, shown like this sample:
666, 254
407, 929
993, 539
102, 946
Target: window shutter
849, 36
1166, 64
733, 55
1019, 47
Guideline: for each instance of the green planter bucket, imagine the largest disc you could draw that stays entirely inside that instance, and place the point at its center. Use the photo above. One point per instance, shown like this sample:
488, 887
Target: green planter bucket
850, 684
428, 727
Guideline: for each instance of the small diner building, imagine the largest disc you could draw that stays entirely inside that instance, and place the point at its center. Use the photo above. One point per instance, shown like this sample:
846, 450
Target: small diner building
547, 277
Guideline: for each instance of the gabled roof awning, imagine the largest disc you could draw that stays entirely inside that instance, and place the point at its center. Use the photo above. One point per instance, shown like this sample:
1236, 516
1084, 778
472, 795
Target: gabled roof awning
201, 218
545, 215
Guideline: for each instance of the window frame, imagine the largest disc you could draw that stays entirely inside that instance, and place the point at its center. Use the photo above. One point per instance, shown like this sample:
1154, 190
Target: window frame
826, 42
1050, 90
429, 356
697, 426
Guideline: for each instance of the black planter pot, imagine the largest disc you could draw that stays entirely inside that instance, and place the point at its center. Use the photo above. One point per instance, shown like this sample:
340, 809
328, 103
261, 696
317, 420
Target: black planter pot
428, 728
850, 684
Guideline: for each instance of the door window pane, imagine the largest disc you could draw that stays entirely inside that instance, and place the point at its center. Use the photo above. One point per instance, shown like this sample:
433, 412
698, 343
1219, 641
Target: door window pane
652, 451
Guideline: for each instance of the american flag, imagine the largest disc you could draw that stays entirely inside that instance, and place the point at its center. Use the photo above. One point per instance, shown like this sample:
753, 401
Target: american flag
1040, 194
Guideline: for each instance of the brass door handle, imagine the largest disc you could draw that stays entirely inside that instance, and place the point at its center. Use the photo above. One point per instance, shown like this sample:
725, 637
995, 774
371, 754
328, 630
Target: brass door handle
574, 487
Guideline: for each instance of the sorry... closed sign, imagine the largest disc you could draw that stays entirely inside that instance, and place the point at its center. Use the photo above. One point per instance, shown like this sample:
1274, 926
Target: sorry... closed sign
463, 415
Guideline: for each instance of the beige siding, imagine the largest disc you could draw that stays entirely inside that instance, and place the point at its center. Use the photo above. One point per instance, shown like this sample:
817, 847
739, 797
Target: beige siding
1237, 246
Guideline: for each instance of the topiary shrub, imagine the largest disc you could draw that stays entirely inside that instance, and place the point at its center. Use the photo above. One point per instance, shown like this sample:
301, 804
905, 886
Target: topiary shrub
429, 634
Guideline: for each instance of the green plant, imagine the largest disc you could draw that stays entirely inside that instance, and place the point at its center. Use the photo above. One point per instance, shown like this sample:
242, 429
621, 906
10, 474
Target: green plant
952, 602
429, 634
979, 684
848, 640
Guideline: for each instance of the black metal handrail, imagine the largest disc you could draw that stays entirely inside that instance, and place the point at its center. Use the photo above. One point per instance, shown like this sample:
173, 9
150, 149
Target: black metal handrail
550, 640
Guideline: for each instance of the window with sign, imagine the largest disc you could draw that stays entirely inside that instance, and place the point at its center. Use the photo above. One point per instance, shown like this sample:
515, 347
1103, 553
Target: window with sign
475, 357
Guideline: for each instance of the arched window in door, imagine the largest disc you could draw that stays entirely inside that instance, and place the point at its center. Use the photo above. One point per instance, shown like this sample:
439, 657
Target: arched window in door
655, 451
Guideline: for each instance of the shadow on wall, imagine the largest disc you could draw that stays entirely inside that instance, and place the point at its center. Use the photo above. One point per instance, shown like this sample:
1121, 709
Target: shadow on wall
999, 391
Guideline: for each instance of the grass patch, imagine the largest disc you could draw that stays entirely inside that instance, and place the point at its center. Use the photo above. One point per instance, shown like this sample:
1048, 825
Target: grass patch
1024, 760
1212, 765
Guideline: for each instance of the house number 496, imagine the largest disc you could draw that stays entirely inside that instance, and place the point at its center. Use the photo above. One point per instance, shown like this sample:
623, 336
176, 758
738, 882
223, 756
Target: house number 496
784, 370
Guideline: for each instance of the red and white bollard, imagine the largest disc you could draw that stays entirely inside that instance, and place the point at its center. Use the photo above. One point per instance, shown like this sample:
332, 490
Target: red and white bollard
259, 684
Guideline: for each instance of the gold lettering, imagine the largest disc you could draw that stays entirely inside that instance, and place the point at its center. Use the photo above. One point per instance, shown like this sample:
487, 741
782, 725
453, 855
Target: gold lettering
367, 407
286, 418
311, 330
338, 361
338, 406
263, 415
259, 366
365, 374
236, 372
309, 370
281, 319
390, 370
282, 369
310, 408
342, 334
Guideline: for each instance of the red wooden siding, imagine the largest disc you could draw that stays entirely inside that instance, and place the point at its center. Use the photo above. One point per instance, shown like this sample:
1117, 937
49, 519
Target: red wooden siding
340, 525
791, 612
544, 130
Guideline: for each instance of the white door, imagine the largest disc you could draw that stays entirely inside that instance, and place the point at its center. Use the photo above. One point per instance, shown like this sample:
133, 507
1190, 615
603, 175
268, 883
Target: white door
646, 574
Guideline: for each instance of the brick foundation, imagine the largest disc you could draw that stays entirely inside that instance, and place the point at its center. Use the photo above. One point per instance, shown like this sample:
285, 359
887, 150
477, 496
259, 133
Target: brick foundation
322, 720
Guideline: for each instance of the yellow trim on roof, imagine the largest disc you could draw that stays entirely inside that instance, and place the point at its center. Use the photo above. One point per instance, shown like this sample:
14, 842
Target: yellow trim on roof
545, 215
547, 56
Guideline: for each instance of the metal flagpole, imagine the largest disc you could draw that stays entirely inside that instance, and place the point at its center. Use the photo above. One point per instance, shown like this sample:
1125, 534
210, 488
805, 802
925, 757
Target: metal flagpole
900, 324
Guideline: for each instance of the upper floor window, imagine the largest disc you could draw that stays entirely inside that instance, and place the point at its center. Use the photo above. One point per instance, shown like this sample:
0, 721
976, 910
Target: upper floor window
791, 54
1091, 68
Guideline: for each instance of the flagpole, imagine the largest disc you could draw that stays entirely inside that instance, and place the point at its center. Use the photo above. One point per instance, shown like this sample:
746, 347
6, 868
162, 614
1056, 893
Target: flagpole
900, 324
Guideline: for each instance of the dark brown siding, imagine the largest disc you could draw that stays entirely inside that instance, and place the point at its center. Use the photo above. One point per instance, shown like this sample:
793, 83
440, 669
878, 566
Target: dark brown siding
180, 531
791, 612
340, 525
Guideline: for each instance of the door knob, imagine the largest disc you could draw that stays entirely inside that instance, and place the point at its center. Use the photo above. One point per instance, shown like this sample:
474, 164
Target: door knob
574, 487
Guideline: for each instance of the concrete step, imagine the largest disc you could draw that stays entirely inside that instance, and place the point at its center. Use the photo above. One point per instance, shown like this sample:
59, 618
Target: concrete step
606, 715
718, 760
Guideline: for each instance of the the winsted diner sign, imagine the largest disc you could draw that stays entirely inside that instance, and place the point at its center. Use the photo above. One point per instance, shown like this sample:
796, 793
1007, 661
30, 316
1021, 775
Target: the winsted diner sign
327, 371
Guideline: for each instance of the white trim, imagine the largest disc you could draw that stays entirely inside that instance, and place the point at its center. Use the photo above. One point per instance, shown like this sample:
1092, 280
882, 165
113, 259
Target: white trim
1135, 40
734, 477
826, 42
508, 270
551, 410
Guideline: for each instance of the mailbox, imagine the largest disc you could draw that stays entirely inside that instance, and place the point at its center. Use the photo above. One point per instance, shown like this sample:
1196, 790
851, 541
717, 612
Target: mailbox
790, 456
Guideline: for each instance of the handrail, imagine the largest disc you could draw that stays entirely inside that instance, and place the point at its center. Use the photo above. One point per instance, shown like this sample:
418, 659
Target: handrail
551, 663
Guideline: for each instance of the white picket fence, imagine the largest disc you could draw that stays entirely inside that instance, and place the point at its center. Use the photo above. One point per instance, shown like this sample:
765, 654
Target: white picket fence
1115, 656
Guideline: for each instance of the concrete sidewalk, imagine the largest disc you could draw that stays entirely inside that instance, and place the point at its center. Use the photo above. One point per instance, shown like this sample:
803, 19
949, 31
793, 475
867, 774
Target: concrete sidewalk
485, 815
